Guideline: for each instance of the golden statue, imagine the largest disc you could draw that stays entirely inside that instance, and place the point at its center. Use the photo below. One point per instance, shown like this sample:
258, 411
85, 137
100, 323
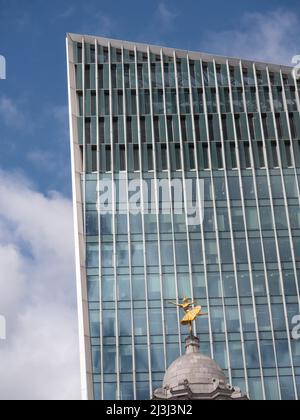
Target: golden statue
191, 312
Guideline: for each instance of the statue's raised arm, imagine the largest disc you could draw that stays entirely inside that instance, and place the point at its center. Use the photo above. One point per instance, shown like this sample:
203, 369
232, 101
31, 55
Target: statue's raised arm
176, 304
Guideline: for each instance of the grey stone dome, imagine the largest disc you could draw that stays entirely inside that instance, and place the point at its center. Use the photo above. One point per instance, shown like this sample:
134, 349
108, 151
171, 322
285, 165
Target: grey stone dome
196, 377
196, 369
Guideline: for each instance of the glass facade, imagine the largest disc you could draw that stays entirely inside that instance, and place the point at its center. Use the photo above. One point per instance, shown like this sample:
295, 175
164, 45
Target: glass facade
148, 114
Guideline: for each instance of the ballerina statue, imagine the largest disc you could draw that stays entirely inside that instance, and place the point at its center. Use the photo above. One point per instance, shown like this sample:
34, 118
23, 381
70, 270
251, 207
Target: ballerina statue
192, 312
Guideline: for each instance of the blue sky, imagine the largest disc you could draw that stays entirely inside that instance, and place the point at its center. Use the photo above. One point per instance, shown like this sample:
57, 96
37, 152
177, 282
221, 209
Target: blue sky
39, 359
34, 133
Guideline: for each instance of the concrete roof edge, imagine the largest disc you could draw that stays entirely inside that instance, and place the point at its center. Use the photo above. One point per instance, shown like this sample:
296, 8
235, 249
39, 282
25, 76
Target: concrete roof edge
157, 48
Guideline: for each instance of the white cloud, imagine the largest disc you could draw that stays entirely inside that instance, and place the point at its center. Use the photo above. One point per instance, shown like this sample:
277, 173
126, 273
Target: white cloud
10, 113
68, 12
100, 24
166, 15
39, 359
269, 37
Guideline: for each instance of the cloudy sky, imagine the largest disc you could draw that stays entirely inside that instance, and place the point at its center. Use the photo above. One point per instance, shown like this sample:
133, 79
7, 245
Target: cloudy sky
39, 359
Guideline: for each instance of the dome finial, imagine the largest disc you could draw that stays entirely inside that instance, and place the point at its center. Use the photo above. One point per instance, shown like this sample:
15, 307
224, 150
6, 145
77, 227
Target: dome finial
192, 312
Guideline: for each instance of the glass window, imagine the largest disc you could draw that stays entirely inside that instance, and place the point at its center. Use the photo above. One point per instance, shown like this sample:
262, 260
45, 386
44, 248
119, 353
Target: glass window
226, 251
278, 317
233, 319
220, 355
234, 188
252, 358
252, 218
256, 250
263, 317
267, 354
137, 254
236, 355
140, 322
109, 324
271, 389
152, 254
211, 252
274, 283
244, 284
223, 219
229, 285
214, 285
138, 287
217, 320
255, 389
92, 255
141, 358
283, 354
270, 249
154, 288
196, 252
155, 321
158, 363
266, 218
285, 249
169, 287
95, 323
248, 188
125, 323
181, 253
248, 318
241, 251
238, 223
122, 255
287, 388
259, 283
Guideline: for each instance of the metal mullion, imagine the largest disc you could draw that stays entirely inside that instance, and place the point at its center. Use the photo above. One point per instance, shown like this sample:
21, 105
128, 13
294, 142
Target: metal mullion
261, 237
200, 198
157, 209
275, 232
99, 227
246, 227
171, 203
229, 208
218, 233
289, 230
231, 226
83, 136
215, 217
247, 234
282, 179
183, 177
143, 225
114, 230
129, 230
289, 128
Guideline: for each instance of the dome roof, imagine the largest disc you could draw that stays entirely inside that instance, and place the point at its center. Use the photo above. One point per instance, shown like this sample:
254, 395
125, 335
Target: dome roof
195, 376
194, 368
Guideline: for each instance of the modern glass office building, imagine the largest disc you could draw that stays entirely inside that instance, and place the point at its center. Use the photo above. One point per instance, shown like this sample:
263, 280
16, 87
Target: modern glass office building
146, 114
